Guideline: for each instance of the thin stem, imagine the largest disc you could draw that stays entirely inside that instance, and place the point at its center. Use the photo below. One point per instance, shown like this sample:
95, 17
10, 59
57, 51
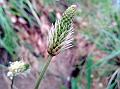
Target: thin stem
12, 82
43, 72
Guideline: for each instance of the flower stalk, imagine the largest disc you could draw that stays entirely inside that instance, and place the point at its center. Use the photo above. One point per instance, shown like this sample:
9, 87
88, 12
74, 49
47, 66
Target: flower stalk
43, 72
12, 82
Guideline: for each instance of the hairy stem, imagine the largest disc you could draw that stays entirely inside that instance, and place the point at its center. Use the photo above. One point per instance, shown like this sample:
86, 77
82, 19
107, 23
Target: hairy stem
43, 72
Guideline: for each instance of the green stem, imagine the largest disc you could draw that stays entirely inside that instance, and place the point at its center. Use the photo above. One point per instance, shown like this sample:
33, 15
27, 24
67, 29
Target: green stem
43, 72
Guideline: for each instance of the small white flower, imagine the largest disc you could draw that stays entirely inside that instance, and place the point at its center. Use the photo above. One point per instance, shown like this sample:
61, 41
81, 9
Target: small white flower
16, 68
10, 75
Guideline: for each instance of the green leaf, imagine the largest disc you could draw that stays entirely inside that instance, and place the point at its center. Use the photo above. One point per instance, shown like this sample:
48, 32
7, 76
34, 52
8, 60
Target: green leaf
74, 83
89, 64
10, 37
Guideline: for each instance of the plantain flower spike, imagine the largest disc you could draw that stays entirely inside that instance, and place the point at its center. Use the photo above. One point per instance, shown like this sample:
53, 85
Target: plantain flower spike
60, 36
16, 68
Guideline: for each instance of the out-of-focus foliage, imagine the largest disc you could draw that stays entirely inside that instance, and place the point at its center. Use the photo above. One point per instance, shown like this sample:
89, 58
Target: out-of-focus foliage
103, 29
9, 39
22, 9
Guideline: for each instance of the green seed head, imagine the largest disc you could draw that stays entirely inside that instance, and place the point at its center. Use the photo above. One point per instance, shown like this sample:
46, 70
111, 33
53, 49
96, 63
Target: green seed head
66, 20
60, 36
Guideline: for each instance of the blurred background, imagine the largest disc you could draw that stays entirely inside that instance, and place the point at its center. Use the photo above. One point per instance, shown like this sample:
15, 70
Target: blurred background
93, 62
